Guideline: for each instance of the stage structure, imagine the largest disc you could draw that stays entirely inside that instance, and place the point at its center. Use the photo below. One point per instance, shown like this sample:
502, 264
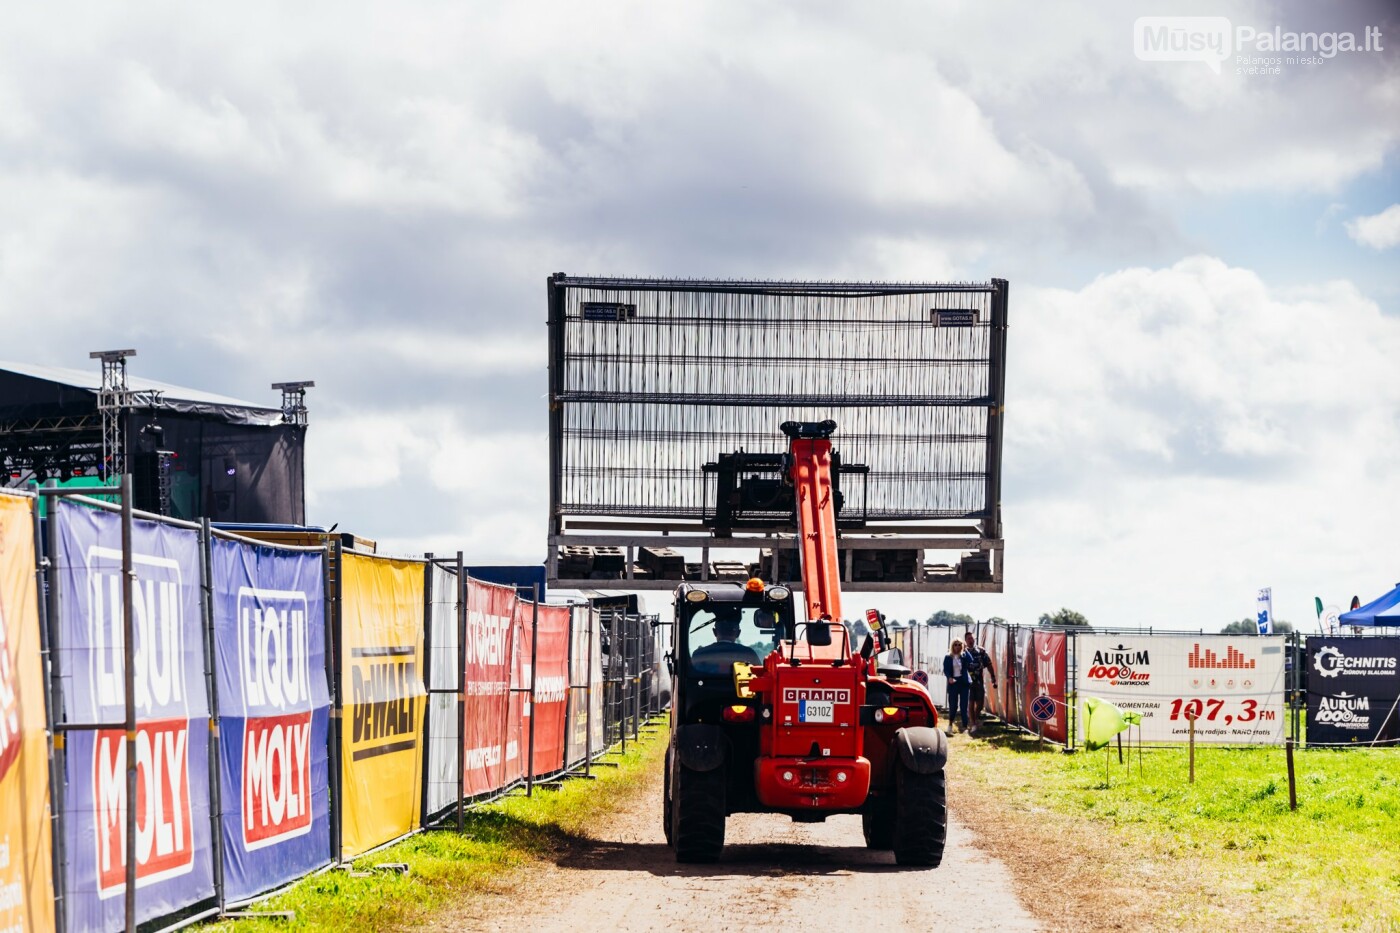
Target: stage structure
667, 461
192, 454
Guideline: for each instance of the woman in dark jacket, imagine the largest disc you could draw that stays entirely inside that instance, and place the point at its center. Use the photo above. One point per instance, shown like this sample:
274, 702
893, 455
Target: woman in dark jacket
959, 682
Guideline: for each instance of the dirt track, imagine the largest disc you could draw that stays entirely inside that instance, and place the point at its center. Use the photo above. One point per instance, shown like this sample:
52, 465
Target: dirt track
773, 872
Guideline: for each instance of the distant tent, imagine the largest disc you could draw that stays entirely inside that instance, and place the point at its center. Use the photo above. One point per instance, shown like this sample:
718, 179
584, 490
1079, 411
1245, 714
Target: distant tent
1384, 611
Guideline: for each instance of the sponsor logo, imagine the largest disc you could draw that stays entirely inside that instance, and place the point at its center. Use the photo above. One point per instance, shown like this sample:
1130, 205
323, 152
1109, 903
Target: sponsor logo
164, 829
274, 646
385, 714
10, 736
157, 618
1121, 667
798, 694
1330, 662
488, 647
1349, 712
1045, 666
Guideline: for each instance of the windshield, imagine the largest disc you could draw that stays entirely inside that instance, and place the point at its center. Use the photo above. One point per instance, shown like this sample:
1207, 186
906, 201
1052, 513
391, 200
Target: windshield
718, 635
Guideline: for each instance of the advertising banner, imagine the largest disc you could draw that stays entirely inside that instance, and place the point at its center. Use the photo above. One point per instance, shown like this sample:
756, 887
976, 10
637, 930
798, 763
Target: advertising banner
551, 654
517, 719
1233, 685
490, 626
932, 650
382, 694
1023, 663
576, 748
1045, 676
173, 832
1353, 686
26, 876
274, 714
596, 726
444, 746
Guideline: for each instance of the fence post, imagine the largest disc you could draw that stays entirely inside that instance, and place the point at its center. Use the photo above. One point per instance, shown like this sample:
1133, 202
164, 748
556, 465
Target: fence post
461, 691
47, 558
129, 685
1292, 783
216, 790
427, 688
335, 556
534, 674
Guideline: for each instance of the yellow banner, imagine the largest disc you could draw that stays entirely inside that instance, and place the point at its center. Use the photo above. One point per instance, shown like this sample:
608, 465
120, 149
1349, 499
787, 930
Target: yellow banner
26, 876
382, 696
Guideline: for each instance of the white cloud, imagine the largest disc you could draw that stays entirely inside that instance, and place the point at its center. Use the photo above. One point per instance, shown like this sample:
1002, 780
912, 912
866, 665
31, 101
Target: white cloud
1378, 231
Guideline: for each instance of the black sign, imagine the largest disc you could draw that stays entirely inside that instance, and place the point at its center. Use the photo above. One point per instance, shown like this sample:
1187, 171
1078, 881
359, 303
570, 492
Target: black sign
1353, 685
953, 317
608, 311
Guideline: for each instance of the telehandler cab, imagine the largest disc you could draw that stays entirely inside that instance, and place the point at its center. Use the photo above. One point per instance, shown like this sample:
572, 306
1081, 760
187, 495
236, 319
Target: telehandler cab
772, 713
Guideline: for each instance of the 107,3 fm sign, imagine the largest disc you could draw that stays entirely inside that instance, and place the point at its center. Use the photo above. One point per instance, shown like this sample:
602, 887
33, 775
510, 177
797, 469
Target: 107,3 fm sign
274, 642
164, 835
1210, 710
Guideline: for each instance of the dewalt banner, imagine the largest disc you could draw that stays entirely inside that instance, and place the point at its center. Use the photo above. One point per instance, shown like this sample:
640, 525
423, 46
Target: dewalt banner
382, 696
26, 881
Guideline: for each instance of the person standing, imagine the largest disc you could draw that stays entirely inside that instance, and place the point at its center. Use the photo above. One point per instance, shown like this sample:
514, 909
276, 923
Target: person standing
955, 669
978, 663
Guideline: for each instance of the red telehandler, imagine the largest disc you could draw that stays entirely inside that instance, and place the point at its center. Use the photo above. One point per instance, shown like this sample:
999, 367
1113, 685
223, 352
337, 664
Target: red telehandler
772, 714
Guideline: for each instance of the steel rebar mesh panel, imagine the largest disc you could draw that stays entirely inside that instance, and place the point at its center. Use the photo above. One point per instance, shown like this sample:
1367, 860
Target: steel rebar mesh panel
651, 379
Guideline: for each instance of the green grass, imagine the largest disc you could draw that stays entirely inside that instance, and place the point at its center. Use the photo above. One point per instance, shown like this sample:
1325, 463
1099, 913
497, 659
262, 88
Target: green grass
1338, 853
445, 866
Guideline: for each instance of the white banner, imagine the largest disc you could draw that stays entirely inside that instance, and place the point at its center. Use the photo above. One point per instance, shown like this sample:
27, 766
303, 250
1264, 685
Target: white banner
444, 746
1234, 685
1264, 610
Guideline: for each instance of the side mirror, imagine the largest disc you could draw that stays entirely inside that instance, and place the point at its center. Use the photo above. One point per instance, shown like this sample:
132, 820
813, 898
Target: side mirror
867, 648
819, 634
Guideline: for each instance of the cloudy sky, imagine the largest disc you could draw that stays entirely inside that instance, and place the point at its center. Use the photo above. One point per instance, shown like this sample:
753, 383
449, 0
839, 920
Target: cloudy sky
1205, 310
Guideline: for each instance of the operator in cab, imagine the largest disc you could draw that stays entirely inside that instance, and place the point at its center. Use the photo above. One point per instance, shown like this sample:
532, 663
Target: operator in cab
721, 654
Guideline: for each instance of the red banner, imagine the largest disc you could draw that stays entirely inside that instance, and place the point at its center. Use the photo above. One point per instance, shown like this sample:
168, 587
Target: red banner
491, 612
551, 688
1045, 676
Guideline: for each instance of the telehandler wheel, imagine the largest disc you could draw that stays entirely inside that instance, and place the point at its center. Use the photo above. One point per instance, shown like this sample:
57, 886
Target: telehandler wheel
921, 818
697, 814
877, 822
666, 801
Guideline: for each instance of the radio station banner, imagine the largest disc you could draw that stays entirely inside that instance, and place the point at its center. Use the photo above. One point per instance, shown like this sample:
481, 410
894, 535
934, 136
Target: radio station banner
1233, 685
1353, 690
444, 744
551, 654
490, 630
382, 699
274, 714
173, 845
1045, 676
26, 861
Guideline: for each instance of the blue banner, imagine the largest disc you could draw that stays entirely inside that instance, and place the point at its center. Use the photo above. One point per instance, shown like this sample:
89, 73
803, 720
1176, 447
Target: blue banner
173, 832
274, 714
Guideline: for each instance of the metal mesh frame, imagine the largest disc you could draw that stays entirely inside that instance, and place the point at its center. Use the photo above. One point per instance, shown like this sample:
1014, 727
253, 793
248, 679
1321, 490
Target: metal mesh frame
650, 379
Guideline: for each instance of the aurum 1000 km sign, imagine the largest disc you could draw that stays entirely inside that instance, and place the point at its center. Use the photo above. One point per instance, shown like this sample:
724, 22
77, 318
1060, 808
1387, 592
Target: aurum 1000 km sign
1232, 686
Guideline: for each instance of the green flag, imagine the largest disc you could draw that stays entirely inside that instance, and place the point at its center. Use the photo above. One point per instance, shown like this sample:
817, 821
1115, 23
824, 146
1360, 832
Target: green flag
1318, 600
1104, 721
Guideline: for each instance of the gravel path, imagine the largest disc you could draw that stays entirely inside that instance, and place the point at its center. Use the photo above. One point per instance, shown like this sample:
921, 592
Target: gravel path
774, 873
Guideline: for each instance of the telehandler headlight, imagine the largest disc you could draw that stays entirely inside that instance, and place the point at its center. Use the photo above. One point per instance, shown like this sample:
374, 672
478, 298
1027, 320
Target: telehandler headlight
891, 714
779, 592
788, 776
841, 777
697, 596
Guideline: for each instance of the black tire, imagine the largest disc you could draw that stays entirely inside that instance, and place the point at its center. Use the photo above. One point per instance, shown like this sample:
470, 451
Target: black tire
921, 818
697, 814
666, 801
877, 822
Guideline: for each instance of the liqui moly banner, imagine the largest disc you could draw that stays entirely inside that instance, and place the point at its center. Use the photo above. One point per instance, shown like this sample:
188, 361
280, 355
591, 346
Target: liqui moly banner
444, 744
1232, 686
382, 697
490, 627
26, 878
1045, 676
174, 852
274, 714
1353, 690
551, 668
